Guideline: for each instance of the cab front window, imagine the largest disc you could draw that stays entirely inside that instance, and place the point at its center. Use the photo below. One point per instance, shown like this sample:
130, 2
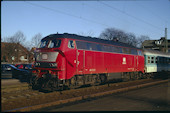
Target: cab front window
43, 44
54, 43
49, 44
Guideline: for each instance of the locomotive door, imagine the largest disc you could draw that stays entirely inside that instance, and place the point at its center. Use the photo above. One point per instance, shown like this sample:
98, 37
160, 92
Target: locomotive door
136, 63
80, 61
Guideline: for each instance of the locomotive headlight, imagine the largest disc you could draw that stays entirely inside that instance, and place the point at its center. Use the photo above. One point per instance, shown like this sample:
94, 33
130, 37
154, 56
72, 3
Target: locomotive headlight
53, 64
37, 64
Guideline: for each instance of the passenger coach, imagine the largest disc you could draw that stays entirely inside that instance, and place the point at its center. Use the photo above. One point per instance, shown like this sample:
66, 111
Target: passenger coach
156, 61
72, 60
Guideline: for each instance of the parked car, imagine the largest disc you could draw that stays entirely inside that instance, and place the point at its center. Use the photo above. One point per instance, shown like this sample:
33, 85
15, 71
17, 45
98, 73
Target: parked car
7, 68
23, 71
20, 66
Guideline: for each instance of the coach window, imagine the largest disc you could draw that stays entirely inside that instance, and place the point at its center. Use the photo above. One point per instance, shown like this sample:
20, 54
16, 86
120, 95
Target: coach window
94, 46
161, 60
124, 50
81, 45
129, 51
149, 60
120, 50
152, 60
164, 60
89, 46
167, 60
71, 44
156, 60
140, 53
114, 49
104, 48
99, 47
133, 52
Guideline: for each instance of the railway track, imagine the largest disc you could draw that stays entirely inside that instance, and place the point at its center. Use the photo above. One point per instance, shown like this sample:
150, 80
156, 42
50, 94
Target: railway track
14, 98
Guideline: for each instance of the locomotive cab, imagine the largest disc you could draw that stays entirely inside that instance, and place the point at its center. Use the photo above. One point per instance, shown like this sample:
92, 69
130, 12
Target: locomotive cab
53, 57
47, 53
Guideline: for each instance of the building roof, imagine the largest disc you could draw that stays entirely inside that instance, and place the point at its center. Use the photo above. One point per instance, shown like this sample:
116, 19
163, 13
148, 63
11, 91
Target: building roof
87, 38
152, 43
3, 44
148, 43
155, 52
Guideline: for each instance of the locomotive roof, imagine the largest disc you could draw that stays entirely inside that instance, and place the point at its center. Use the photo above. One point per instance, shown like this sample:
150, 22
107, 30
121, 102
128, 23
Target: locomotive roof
87, 38
155, 52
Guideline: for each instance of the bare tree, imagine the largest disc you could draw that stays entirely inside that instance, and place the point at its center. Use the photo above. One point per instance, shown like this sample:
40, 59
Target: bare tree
141, 39
13, 48
28, 45
18, 37
10, 50
36, 40
119, 35
131, 39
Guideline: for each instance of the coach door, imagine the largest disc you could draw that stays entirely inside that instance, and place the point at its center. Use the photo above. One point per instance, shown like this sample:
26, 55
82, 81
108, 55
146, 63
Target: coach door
80, 61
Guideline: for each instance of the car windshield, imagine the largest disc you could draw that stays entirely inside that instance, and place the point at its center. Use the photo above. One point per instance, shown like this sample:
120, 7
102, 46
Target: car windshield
49, 43
12, 66
29, 66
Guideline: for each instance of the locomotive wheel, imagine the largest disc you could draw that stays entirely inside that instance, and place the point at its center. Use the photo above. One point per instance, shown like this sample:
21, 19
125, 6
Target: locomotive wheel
128, 75
140, 75
125, 76
73, 82
103, 78
35, 83
133, 77
136, 76
50, 85
149, 75
97, 80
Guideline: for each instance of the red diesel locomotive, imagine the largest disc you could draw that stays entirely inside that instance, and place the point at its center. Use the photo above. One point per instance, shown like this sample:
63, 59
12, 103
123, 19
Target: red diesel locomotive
72, 60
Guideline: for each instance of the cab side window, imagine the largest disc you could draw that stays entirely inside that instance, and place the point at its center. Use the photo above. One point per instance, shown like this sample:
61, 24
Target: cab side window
71, 44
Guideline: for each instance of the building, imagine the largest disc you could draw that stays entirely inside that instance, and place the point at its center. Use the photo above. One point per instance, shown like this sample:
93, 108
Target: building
15, 53
156, 44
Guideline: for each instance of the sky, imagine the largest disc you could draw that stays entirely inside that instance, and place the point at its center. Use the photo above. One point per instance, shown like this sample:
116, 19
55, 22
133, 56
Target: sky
90, 18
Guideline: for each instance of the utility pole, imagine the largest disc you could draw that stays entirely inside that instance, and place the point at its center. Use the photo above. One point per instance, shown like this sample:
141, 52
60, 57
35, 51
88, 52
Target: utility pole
166, 41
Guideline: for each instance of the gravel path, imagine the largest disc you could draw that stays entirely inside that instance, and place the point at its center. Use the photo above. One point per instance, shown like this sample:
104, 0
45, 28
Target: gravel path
6, 82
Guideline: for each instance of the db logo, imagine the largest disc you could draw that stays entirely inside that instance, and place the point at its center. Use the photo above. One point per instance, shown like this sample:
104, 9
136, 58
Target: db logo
124, 60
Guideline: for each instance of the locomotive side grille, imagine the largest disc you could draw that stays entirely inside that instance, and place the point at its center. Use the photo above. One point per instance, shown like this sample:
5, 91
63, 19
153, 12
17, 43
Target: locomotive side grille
45, 65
